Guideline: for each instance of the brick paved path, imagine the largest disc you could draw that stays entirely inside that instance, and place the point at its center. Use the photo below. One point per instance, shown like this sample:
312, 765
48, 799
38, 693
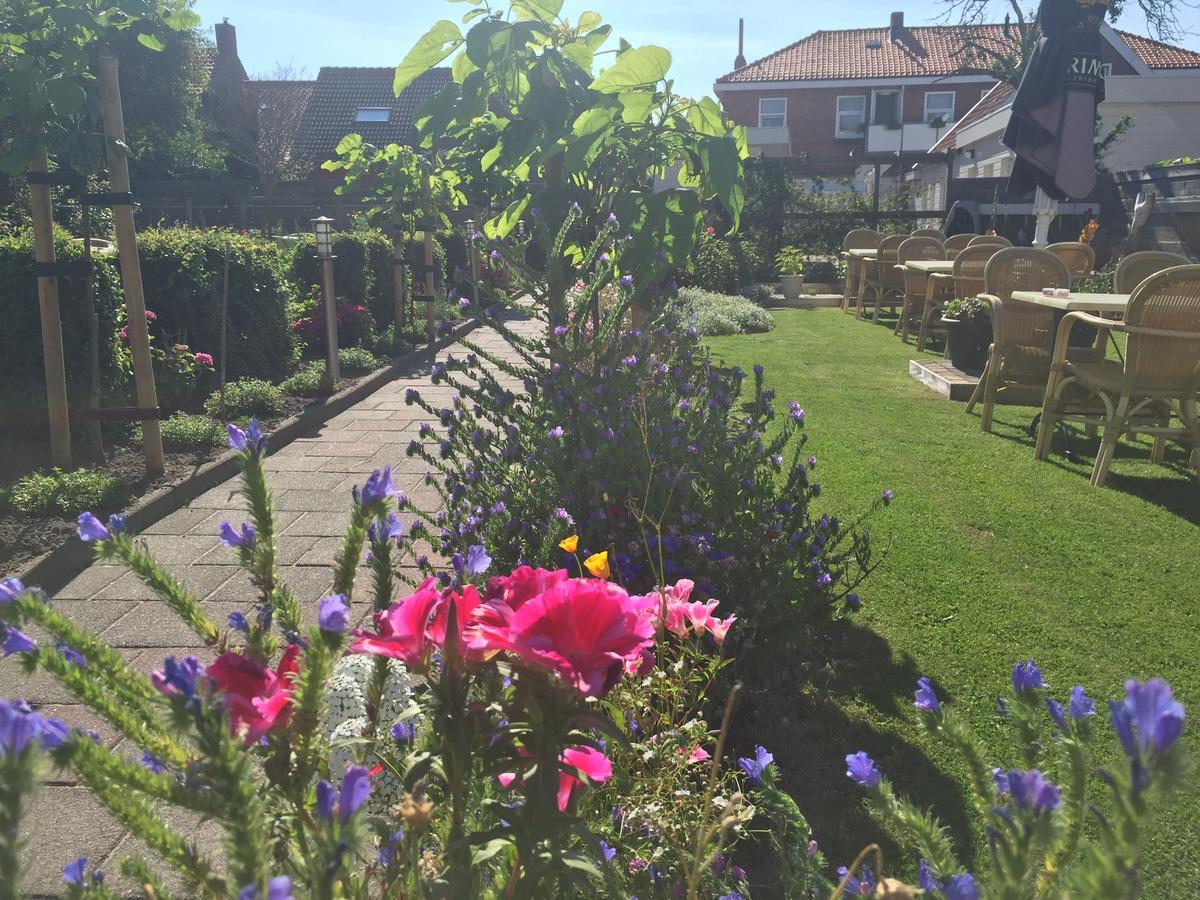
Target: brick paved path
311, 480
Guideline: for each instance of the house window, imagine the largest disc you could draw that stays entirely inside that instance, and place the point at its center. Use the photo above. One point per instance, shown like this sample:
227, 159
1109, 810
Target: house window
372, 114
772, 112
851, 116
939, 107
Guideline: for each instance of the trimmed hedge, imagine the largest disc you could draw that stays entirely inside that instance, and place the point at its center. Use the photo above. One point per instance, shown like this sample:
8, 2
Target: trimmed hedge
182, 271
716, 314
362, 269
22, 375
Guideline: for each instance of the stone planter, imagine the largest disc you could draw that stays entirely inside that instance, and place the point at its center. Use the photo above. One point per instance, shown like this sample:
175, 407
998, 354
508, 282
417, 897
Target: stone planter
820, 287
791, 286
967, 342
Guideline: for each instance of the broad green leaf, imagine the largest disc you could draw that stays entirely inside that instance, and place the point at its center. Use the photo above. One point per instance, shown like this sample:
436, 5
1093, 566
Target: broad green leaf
635, 106
597, 37
537, 10
149, 40
589, 20
67, 96
706, 118
638, 68
592, 120
579, 53
435, 45
489, 158
481, 854
723, 173
473, 15
505, 223
348, 143
462, 67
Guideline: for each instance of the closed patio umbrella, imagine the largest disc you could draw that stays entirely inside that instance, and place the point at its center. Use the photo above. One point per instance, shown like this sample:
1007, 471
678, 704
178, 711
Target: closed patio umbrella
1054, 110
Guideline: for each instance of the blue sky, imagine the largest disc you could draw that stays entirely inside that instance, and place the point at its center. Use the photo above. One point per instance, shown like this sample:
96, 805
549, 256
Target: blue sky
701, 34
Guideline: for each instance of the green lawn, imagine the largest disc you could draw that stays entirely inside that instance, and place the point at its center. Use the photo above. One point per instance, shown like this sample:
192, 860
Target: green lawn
992, 557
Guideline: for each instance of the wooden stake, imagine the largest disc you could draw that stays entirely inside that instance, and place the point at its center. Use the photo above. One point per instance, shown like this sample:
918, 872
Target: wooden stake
52, 345
131, 270
427, 203
224, 330
95, 431
399, 274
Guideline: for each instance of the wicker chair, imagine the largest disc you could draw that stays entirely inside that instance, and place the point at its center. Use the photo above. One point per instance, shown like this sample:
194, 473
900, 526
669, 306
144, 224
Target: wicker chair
1135, 268
929, 232
989, 239
1022, 333
858, 239
957, 242
915, 283
966, 281
879, 276
1158, 382
1079, 257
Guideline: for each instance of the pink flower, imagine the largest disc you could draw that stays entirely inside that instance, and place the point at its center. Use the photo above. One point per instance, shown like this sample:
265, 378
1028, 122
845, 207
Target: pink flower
698, 615
204, 359
466, 606
584, 629
718, 628
522, 585
699, 755
151, 315
257, 698
123, 334
402, 628
588, 761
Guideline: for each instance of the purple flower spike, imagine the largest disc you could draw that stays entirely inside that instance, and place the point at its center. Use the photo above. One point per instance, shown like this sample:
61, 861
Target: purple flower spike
333, 614
279, 888
231, 538
405, 732
1149, 718
378, 488
626, 281
1032, 792
356, 787
1057, 712
17, 641
478, 560
251, 440
1081, 704
10, 589
926, 698
756, 767
91, 529
861, 768
556, 432
887, 497
1026, 677
326, 798
73, 873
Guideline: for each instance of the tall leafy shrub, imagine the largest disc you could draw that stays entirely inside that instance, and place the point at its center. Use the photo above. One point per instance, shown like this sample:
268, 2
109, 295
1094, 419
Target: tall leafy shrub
183, 271
22, 375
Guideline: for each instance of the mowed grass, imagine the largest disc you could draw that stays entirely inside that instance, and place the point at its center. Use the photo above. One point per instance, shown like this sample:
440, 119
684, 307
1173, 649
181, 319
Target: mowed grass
991, 557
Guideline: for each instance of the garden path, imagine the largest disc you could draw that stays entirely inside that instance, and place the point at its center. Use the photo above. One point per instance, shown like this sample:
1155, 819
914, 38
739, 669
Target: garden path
311, 480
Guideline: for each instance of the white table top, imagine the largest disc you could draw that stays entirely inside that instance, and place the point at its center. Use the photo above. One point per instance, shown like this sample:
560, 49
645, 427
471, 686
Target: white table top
930, 266
1076, 302
868, 253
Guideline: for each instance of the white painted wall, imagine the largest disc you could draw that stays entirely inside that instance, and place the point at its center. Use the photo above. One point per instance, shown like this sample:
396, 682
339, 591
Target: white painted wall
1166, 118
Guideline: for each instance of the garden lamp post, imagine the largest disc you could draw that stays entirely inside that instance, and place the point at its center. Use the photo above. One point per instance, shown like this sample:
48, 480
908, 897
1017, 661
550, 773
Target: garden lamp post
323, 226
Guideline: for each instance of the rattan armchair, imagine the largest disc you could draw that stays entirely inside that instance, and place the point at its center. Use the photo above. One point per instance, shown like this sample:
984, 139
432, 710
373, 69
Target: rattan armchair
957, 242
880, 278
1022, 333
1135, 268
858, 239
989, 239
1157, 384
915, 283
929, 232
966, 281
1079, 257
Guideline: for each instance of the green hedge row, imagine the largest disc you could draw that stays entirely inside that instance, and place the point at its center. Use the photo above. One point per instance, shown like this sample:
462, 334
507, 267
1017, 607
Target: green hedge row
362, 269
22, 372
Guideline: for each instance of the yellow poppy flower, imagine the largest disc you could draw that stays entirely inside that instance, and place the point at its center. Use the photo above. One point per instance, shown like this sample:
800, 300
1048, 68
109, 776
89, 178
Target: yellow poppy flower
570, 544
597, 564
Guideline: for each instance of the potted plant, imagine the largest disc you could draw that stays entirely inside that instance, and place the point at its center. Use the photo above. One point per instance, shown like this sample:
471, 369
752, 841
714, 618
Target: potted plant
968, 325
790, 262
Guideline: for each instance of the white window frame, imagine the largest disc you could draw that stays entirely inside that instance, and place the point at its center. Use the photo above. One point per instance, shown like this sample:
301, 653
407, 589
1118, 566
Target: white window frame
386, 110
837, 116
948, 117
782, 117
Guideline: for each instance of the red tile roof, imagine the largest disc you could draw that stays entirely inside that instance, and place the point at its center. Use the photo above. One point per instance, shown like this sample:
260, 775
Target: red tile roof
995, 99
927, 51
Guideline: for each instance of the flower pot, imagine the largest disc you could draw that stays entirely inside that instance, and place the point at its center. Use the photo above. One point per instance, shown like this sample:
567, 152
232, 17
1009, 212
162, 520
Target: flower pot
967, 342
791, 286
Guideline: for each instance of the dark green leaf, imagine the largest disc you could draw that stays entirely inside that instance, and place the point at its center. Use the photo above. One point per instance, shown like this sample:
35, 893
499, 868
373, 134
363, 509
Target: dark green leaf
149, 40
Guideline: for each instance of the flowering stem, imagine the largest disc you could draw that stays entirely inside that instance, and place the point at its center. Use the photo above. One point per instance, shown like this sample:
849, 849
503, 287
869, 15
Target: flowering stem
18, 781
696, 868
264, 567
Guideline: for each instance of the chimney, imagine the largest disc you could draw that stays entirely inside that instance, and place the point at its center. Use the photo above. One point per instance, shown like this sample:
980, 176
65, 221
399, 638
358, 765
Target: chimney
740, 62
897, 26
226, 39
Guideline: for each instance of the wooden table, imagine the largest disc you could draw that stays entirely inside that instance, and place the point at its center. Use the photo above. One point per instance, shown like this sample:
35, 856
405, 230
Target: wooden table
865, 253
854, 259
1098, 303
926, 267
930, 266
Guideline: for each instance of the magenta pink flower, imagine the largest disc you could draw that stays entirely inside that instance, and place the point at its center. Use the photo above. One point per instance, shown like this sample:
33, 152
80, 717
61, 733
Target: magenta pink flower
258, 699
205, 359
402, 628
585, 629
522, 585
587, 760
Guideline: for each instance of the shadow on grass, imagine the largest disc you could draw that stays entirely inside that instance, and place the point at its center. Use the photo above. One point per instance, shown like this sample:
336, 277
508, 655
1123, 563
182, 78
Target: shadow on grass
811, 722
1074, 451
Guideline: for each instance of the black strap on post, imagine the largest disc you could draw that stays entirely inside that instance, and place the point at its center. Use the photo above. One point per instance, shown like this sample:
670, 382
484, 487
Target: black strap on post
122, 414
122, 199
75, 268
424, 298
57, 179
426, 226
420, 268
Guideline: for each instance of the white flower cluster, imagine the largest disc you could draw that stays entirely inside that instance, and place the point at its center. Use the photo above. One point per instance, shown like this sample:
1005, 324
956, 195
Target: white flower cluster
346, 721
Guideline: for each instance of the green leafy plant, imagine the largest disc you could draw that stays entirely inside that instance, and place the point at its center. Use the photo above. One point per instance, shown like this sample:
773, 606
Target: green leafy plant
711, 313
62, 493
967, 309
357, 360
247, 398
759, 294
308, 380
185, 431
790, 261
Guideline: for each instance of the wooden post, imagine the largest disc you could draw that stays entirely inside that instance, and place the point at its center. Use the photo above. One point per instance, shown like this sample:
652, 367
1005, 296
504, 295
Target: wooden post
131, 270
399, 273
427, 204
52, 345
95, 431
